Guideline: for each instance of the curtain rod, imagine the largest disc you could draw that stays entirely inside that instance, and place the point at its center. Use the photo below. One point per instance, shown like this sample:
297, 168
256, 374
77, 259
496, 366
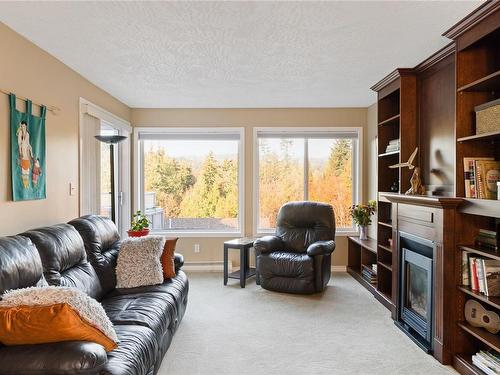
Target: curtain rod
50, 108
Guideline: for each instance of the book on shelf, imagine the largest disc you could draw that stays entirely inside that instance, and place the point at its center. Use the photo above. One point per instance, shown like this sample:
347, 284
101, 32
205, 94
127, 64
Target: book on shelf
481, 274
368, 273
470, 176
487, 361
488, 239
488, 174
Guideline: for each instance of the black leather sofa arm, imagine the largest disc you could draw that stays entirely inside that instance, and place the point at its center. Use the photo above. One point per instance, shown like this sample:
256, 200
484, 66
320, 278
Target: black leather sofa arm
70, 357
321, 248
178, 261
268, 244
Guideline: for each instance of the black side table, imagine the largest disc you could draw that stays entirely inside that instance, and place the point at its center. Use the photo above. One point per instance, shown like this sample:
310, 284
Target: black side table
243, 245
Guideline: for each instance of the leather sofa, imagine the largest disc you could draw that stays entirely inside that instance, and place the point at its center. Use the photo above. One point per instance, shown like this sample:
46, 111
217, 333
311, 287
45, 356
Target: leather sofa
297, 259
83, 254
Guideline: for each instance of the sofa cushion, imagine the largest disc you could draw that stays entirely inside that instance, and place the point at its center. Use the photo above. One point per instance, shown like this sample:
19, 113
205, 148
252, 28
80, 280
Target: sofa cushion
156, 311
102, 243
139, 262
70, 357
64, 259
20, 264
286, 264
53, 314
178, 288
299, 224
136, 352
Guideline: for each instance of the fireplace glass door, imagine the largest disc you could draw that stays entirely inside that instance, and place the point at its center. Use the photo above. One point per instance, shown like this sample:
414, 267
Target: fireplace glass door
417, 289
416, 293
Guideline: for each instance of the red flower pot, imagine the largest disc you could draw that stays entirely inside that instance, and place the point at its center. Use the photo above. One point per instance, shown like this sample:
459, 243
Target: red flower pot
138, 233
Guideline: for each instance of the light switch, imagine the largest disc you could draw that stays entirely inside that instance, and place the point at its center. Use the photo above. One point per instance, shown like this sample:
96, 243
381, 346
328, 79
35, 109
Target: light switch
72, 189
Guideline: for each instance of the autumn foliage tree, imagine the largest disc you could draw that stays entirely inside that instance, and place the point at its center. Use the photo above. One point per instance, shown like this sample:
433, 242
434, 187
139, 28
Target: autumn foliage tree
211, 190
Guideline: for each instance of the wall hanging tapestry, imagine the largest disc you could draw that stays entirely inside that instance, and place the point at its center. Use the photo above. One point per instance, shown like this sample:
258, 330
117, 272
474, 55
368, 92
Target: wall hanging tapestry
27, 145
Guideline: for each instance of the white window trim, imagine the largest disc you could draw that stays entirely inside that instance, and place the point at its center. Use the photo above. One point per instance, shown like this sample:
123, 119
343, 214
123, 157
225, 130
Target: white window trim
357, 170
138, 201
122, 162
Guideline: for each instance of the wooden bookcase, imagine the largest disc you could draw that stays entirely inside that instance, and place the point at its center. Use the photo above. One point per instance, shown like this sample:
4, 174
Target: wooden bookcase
477, 40
364, 253
397, 119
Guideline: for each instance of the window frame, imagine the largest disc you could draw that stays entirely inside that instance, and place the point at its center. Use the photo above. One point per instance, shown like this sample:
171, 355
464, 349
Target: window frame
357, 165
139, 175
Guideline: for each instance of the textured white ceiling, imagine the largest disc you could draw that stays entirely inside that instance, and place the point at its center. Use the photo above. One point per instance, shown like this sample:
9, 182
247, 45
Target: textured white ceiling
237, 54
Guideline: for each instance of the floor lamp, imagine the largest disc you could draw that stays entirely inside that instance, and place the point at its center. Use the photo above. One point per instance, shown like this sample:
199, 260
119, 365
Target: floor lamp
112, 140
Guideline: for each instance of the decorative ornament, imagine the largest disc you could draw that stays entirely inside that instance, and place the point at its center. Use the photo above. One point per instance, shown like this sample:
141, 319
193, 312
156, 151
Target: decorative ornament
417, 187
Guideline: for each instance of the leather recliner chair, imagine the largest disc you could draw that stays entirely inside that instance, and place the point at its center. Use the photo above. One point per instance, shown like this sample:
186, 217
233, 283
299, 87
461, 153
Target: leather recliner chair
297, 259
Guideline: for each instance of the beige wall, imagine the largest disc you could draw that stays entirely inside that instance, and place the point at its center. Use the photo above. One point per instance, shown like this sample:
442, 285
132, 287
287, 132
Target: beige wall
371, 162
30, 72
211, 248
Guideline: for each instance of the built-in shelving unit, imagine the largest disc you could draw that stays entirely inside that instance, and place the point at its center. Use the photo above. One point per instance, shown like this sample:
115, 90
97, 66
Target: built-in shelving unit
396, 108
477, 40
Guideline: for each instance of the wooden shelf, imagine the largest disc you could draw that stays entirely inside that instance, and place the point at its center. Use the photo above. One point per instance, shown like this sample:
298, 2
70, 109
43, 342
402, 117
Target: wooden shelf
493, 341
357, 275
482, 207
388, 154
492, 254
370, 244
385, 265
485, 137
492, 301
489, 83
463, 362
386, 248
390, 120
389, 225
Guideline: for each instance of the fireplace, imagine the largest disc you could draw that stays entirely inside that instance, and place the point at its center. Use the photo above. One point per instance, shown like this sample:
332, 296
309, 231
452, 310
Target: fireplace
415, 307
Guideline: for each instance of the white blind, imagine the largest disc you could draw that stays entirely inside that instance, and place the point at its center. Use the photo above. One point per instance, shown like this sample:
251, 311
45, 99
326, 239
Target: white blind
189, 136
313, 134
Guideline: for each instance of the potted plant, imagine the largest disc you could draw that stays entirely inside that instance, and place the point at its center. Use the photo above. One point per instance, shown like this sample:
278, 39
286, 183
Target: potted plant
139, 226
361, 214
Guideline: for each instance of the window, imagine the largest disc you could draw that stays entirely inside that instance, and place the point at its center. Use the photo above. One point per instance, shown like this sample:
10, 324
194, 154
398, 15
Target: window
317, 164
191, 179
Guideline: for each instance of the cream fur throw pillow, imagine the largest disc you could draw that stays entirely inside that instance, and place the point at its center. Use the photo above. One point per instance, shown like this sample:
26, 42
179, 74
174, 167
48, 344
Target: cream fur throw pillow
87, 308
139, 262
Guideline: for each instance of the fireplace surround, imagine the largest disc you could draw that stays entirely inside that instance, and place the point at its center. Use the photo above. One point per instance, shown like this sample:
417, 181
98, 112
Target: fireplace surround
416, 289
425, 225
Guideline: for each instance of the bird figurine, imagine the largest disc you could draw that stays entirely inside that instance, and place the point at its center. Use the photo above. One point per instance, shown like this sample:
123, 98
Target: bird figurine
417, 188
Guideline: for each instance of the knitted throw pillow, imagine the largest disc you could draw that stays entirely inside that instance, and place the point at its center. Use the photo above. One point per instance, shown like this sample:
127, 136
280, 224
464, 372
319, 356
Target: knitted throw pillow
40, 315
167, 258
139, 263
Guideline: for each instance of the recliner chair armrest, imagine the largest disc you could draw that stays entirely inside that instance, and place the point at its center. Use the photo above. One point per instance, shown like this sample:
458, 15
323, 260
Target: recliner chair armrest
321, 248
71, 357
268, 244
178, 261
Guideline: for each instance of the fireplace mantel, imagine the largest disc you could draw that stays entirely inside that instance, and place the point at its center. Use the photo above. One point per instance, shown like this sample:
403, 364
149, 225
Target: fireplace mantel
423, 200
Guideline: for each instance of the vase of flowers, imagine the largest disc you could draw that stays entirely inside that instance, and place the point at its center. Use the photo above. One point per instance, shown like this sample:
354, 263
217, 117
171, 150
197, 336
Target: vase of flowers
139, 226
361, 214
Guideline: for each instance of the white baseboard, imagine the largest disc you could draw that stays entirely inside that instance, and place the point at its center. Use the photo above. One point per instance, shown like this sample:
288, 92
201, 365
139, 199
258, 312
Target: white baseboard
218, 266
339, 268
208, 266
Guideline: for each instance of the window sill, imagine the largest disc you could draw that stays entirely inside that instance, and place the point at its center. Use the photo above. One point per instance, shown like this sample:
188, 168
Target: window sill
187, 234
343, 233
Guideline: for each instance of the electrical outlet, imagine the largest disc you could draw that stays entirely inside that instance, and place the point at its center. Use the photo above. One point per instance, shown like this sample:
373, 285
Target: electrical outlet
196, 247
72, 189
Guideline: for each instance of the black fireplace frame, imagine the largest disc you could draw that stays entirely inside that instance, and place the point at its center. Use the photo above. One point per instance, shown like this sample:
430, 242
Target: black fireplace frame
421, 254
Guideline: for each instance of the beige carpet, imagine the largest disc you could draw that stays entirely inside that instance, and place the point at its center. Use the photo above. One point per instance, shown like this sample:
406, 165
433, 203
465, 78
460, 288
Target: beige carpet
228, 330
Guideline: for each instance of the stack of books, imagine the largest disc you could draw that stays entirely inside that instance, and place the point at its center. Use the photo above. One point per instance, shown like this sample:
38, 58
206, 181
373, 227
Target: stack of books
480, 177
481, 274
487, 239
369, 273
392, 146
487, 361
